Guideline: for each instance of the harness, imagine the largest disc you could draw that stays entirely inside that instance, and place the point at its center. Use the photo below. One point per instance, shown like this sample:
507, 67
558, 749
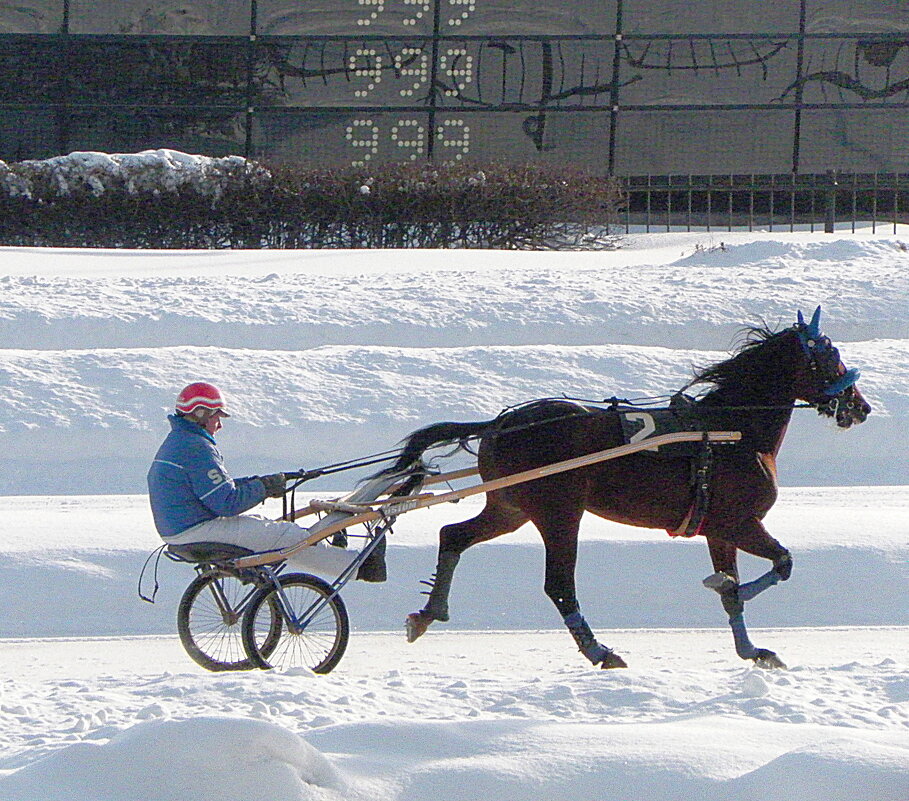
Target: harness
682, 414
702, 471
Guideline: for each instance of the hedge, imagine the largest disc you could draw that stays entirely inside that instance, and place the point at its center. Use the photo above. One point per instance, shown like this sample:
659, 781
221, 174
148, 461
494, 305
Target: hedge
162, 199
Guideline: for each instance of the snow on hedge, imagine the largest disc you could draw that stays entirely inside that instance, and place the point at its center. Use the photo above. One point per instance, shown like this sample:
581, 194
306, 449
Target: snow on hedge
151, 171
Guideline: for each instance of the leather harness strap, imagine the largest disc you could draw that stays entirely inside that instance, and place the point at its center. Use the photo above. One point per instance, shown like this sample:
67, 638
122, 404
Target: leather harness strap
702, 470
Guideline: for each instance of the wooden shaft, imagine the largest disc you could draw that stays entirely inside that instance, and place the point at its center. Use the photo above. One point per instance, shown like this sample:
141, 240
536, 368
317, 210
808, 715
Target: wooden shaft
454, 475
411, 502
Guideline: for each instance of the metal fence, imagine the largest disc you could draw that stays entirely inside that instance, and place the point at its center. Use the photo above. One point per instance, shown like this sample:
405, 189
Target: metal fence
829, 202
623, 87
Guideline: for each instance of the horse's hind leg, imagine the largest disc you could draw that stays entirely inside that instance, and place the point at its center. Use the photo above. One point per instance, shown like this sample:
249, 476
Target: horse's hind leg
496, 518
733, 595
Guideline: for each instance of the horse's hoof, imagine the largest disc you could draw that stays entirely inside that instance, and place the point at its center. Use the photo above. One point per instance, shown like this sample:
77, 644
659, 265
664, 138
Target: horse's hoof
416, 625
783, 566
768, 660
612, 660
720, 582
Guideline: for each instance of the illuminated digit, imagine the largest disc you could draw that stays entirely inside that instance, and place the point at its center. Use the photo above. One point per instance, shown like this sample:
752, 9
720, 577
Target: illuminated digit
453, 135
363, 135
412, 62
458, 65
410, 134
372, 70
377, 5
423, 7
461, 10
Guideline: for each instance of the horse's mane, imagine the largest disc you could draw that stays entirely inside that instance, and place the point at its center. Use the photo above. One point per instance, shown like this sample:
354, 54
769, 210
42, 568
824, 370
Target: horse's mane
748, 361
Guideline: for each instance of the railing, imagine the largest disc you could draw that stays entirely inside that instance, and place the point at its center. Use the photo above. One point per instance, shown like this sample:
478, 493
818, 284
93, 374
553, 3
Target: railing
828, 202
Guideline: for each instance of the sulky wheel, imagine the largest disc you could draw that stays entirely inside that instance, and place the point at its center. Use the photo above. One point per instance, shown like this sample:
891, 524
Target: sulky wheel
315, 626
209, 621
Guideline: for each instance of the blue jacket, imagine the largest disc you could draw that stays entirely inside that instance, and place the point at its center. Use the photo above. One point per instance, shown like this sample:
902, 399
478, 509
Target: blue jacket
187, 482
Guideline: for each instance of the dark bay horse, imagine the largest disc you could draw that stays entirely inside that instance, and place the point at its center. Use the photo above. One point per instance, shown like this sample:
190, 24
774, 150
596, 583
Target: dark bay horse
728, 493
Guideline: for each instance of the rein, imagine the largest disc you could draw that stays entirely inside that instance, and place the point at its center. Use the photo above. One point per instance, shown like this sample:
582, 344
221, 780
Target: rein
301, 476
649, 403
606, 404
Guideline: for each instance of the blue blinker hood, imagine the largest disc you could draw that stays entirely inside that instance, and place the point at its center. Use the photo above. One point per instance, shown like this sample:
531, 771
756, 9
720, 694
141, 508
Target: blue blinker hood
810, 336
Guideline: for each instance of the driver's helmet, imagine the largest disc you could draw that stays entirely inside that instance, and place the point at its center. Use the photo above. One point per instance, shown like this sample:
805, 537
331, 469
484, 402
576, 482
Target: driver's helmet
201, 394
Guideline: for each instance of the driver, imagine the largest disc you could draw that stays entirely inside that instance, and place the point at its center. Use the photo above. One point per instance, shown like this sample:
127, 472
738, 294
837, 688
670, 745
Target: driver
194, 499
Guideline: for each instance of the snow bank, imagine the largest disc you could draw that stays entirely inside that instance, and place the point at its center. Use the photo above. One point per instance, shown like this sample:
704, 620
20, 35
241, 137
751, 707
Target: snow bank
466, 717
334, 355
89, 421
703, 759
205, 759
849, 545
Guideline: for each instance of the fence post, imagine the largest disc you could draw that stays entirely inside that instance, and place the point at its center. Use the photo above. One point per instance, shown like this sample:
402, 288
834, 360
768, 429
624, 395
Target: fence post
614, 90
830, 211
251, 45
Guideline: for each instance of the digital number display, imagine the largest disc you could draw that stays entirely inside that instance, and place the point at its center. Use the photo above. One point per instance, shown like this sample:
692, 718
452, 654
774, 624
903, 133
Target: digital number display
416, 11
410, 56
407, 138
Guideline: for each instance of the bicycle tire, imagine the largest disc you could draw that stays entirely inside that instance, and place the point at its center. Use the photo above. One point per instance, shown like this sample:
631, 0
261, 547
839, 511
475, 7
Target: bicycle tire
318, 647
213, 638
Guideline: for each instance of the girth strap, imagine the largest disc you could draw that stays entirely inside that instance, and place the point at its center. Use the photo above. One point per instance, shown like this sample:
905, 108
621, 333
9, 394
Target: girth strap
702, 470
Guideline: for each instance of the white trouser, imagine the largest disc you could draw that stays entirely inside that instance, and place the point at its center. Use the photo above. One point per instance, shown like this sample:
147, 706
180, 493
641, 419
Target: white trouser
261, 534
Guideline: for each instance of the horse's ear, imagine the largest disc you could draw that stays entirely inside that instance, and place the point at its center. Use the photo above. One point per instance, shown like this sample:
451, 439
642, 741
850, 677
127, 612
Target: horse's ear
812, 329
815, 325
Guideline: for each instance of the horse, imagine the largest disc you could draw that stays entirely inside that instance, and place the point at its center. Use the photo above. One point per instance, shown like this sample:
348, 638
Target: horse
720, 493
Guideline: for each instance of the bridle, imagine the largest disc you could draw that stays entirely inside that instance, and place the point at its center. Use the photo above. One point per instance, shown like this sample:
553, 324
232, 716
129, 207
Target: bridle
826, 366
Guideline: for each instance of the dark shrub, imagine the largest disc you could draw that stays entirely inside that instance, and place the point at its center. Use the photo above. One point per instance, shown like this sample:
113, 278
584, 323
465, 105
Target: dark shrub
92, 200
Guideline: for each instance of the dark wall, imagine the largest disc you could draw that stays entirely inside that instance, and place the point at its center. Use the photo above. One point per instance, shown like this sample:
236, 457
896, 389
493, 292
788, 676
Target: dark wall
628, 86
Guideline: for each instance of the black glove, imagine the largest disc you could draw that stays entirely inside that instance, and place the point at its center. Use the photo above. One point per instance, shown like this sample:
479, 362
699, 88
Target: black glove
274, 485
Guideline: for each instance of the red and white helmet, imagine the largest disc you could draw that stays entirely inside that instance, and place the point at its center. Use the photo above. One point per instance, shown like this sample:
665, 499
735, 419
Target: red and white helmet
201, 394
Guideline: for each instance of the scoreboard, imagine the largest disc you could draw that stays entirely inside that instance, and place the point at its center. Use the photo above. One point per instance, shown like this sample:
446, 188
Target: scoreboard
622, 86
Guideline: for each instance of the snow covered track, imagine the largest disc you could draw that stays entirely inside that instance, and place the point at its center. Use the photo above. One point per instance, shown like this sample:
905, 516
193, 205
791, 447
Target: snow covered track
457, 715
457, 718
849, 545
331, 355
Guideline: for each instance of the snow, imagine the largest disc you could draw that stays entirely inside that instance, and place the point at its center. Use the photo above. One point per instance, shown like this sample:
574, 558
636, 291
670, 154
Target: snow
369, 346
465, 715
150, 170
332, 355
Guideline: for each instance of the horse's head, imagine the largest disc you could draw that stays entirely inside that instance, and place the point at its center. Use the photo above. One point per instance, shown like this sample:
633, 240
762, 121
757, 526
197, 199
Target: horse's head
823, 380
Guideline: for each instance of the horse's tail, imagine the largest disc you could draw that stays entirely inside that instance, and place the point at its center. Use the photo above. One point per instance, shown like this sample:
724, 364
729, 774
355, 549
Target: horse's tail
436, 434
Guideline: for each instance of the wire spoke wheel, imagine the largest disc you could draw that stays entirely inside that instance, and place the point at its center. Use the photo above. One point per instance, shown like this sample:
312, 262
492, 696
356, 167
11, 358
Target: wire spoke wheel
209, 621
315, 625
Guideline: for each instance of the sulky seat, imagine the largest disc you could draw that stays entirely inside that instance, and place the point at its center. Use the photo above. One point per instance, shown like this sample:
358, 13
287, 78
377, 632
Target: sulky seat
206, 552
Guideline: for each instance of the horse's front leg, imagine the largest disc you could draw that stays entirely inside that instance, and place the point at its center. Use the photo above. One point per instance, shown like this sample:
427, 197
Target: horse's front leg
561, 540
733, 595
